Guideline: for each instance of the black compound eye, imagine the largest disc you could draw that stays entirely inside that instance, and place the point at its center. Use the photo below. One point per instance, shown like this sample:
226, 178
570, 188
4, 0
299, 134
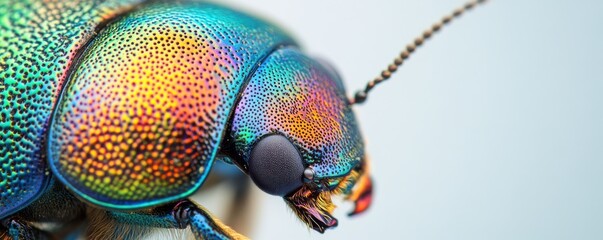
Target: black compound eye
276, 166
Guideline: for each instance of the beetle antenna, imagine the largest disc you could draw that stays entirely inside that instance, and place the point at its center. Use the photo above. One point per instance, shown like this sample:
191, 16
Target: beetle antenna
361, 95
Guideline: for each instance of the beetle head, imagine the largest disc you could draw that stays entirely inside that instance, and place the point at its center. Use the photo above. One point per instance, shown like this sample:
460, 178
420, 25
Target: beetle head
296, 135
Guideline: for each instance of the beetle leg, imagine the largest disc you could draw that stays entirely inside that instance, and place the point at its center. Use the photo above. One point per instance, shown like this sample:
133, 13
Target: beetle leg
19, 230
204, 226
180, 215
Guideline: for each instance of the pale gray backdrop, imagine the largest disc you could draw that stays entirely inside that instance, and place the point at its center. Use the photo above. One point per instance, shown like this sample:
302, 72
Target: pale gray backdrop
491, 131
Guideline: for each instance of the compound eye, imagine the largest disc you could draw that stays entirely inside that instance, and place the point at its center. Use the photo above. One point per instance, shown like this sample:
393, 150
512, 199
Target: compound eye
276, 166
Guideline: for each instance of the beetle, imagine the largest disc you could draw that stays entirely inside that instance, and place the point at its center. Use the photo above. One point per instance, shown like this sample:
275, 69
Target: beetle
119, 109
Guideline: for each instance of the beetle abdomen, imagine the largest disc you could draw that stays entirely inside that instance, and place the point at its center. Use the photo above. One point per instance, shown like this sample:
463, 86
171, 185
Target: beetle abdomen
144, 111
38, 42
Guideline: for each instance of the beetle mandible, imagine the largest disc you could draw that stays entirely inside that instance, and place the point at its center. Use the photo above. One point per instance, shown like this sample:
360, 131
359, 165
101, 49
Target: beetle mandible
122, 107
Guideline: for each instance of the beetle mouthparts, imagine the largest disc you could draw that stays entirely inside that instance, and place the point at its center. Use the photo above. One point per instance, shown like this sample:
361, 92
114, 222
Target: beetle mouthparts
362, 196
357, 187
314, 209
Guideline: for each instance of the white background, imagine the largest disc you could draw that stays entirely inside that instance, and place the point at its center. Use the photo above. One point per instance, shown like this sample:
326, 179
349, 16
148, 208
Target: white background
492, 130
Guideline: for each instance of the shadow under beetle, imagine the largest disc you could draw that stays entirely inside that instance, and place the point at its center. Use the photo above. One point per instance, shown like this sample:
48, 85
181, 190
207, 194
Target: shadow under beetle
120, 108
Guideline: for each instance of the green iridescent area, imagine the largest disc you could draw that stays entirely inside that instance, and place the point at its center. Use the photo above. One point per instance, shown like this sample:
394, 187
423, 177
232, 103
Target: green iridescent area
38, 43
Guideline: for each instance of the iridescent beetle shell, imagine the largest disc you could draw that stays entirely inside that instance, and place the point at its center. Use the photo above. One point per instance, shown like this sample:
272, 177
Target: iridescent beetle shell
142, 116
141, 108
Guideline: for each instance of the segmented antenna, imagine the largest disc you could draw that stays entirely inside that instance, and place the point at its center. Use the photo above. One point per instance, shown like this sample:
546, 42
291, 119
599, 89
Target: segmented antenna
361, 95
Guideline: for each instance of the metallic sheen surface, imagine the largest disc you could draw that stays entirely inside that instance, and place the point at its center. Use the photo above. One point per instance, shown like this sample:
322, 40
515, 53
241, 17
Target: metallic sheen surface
38, 43
142, 116
293, 95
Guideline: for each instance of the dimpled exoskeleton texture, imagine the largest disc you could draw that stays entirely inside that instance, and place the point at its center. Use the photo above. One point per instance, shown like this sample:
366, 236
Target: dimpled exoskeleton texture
38, 43
293, 95
142, 116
